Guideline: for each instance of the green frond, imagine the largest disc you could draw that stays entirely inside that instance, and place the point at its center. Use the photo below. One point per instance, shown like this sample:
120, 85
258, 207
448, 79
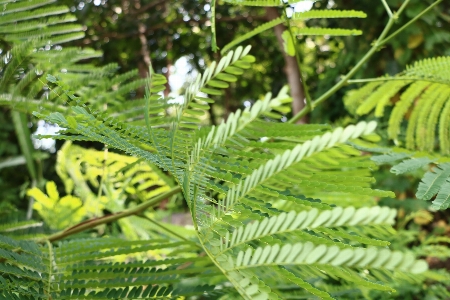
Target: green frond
288, 158
252, 184
308, 260
402, 106
380, 98
419, 121
89, 269
237, 123
37, 13
410, 165
444, 131
287, 222
77, 166
303, 284
30, 24
312, 14
325, 31
13, 28
424, 96
434, 69
101, 133
21, 6
12, 61
246, 188
256, 31
255, 2
327, 14
64, 38
353, 99
189, 114
436, 181
11, 228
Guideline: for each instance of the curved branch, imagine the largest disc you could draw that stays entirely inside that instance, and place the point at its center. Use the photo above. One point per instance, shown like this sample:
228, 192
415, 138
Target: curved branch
110, 218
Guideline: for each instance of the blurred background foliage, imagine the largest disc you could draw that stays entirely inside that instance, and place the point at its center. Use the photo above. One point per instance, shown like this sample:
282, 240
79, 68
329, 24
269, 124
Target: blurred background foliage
175, 38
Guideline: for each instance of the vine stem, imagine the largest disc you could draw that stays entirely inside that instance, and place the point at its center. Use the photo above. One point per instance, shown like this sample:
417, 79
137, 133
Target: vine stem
382, 40
110, 218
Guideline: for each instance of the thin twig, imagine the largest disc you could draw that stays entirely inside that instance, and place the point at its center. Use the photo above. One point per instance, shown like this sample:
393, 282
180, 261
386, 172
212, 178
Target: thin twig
388, 10
410, 22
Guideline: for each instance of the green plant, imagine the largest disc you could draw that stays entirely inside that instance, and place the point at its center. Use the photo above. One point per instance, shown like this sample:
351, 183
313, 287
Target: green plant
278, 210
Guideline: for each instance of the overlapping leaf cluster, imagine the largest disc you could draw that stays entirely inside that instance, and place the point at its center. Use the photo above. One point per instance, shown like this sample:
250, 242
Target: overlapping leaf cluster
271, 203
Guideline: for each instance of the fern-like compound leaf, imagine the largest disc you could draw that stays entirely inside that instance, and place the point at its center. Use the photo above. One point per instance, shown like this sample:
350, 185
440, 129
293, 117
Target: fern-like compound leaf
255, 2
188, 115
21, 6
434, 182
424, 84
287, 222
308, 253
328, 14
256, 31
252, 184
313, 14
86, 269
434, 69
326, 31
410, 165
290, 157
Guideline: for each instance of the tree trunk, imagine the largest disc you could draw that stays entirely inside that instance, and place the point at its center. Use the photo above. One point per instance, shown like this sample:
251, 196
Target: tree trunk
169, 64
291, 68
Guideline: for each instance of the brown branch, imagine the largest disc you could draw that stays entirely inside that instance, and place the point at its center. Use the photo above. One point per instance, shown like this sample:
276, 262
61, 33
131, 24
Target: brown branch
108, 219
144, 49
291, 68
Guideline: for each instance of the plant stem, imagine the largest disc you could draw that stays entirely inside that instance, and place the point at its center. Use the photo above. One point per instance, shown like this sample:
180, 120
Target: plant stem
375, 47
388, 10
401, 9
110, 218
410, 22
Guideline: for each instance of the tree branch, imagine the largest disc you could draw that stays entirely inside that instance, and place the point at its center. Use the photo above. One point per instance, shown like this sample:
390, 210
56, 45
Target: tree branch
108, 219
292, 69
